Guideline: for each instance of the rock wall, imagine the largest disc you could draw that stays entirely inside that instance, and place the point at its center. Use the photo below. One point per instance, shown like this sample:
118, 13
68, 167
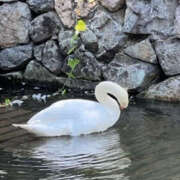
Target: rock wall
135, 43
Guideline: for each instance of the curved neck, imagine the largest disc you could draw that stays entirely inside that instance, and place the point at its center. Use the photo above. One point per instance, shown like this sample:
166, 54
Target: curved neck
102, 96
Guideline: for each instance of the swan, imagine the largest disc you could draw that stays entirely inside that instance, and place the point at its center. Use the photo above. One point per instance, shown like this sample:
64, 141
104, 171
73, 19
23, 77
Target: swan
79, 117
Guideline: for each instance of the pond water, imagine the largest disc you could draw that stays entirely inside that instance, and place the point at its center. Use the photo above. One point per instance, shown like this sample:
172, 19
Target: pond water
143, 145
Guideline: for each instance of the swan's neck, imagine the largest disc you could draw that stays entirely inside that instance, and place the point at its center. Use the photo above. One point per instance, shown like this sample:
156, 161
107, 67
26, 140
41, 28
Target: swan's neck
104, 99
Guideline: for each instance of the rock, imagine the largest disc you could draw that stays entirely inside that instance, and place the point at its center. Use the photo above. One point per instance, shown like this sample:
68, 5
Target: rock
15, 57
36, 72
14, 24
143, 51
130, 21
7, 0
177, 22
130, 73
84, 8
66, 42
112, 5
169, 56
90, 40
17, 75
44, 27
40, 6
155, 17
64, 10
88, 67
49, 55
109, 34
168, 90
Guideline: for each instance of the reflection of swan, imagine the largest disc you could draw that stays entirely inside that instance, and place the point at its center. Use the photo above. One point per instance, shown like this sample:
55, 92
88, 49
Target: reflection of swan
76, 116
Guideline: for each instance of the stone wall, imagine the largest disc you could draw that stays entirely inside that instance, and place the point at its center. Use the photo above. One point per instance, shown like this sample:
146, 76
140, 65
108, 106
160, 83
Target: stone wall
135, 43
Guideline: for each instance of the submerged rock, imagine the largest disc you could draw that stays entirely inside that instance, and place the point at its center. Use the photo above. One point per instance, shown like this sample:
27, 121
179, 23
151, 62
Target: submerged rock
15, 57
168, 53
14, 24
168, 90
131, 73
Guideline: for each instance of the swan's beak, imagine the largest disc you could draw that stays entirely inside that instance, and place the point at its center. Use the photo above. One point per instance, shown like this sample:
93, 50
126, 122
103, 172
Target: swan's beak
122, 108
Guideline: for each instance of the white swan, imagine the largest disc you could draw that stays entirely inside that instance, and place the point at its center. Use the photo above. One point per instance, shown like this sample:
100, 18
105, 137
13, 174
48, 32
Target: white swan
77, 116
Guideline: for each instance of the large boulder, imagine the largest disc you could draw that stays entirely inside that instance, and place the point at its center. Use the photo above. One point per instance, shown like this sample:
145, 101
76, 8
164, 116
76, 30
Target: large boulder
168, 90
168, 53
108, 33
177, 22
64, 10
154, 17
40, 6
44, 26
15, 57
130, 73
143, 51
14, 24
49, 55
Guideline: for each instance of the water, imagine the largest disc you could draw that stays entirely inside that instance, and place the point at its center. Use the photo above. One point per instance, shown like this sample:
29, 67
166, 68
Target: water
144, 145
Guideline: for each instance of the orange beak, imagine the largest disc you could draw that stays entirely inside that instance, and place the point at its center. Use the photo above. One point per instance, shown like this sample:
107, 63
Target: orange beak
122, 107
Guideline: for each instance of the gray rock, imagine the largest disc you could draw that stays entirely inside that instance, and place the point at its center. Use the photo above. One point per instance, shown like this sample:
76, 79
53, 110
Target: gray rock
177, 22
15, 57
44, 27
90, 41
64, 10
130, 21
112, 5
17, 75
39, 6
155, 17
66, 42
143, 51
108, 32
88, 67
49, 55
130, 73
8, 0
168, 90
14, 24
168, 53
36, 72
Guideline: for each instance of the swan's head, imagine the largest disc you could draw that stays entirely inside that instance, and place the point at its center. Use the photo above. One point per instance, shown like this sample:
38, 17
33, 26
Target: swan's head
115, 90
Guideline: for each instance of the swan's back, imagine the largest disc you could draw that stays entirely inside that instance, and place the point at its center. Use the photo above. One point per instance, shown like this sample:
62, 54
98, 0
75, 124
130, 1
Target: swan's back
73, 117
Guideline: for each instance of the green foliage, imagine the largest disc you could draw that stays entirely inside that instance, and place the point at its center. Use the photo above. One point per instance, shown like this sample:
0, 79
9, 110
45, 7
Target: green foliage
6, 103
73, 62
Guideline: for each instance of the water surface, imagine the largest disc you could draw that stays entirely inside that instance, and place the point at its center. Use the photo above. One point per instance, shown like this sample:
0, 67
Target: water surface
143, 145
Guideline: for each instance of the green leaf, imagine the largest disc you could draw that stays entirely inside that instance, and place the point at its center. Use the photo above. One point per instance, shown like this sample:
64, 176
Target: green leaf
80, 26
72, 63
64, 91
7, 102
70, 75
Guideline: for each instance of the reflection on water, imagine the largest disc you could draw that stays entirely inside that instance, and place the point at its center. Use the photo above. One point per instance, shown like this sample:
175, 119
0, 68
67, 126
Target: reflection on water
144, 145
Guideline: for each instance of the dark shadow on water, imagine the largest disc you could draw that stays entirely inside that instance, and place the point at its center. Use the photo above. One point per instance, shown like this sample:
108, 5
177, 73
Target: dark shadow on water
143, 145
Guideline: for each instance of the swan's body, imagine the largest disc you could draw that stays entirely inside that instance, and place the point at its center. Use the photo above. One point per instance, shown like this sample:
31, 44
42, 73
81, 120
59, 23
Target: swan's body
77, 116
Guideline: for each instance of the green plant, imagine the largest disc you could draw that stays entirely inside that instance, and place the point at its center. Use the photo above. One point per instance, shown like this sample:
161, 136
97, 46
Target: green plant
6, 103
73, 62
